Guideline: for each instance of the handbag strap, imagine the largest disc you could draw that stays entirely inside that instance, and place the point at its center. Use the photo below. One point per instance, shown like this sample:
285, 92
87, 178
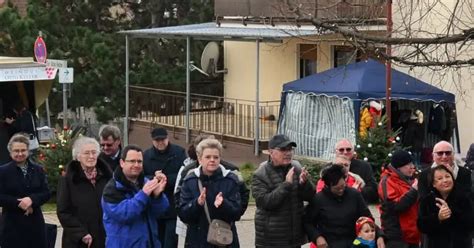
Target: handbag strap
206, 209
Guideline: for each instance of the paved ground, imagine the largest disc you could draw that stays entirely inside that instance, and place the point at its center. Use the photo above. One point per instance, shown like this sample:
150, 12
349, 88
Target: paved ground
245, 227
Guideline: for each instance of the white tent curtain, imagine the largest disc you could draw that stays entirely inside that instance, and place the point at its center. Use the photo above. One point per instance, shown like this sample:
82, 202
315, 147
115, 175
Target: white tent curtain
317, 122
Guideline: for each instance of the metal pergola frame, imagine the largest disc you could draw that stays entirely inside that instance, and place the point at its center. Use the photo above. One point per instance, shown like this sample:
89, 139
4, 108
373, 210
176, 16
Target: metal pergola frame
212, 31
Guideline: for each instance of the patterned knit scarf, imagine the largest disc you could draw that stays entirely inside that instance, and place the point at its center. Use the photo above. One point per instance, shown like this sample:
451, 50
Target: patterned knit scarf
91, 174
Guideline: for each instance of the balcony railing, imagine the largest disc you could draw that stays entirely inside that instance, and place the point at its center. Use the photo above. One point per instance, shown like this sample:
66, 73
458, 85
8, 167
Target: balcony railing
209, 114
279, 9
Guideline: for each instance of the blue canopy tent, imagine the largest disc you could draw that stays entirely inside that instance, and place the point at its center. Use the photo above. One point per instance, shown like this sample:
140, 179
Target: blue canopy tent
319, 109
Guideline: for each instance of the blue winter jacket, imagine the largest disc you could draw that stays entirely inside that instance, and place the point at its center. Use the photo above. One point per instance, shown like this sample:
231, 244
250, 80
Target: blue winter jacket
130, 215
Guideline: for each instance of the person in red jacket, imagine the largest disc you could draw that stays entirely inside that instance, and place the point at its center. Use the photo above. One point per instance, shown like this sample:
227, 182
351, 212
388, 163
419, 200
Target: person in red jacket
399, 196
352, 180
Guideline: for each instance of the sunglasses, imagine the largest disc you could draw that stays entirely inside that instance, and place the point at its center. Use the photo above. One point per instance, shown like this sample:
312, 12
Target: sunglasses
446, 153
348, 149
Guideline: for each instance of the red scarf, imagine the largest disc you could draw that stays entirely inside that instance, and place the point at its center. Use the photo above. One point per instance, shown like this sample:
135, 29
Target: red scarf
91, 174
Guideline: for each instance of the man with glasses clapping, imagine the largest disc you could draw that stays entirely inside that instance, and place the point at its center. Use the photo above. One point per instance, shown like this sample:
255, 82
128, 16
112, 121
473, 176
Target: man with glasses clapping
345, 148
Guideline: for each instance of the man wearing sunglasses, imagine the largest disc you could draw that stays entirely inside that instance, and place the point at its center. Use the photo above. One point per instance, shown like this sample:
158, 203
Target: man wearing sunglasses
110, 145
443, 155
345, 148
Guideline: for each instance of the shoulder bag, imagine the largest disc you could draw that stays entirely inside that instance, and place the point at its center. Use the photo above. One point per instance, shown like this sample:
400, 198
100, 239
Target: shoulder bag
34, 144
220, 232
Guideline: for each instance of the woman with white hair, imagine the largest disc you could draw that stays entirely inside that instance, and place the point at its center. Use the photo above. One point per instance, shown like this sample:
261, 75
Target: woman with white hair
79, 196
23, 189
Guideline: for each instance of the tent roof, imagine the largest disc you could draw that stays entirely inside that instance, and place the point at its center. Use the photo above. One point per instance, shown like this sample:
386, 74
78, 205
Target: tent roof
366, 80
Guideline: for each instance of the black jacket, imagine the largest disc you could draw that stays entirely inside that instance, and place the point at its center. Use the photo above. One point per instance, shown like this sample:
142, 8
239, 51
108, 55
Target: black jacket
23, 123
243, 190
364, 170
169, 162
463, 181
278, 218
21, 231
334, 217
111, 162
453, 232
414, 136
194, 215
78, 205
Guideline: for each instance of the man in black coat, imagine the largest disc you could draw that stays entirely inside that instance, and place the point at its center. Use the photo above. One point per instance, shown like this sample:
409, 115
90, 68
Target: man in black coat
280, 186
369, 191
443, 154
110, 143
167, 158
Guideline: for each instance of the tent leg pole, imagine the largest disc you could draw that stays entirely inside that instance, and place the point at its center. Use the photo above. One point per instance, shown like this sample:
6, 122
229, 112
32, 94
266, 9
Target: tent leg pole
257, 102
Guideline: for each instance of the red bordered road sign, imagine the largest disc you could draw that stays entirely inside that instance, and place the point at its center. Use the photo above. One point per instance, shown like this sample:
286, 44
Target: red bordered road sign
40, 50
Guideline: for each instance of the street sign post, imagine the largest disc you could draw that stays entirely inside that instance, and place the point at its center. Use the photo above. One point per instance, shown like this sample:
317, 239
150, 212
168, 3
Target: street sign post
66, 75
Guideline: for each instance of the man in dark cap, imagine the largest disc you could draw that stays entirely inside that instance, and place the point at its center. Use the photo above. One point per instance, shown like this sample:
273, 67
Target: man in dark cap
279, 186
167, 158
398, 192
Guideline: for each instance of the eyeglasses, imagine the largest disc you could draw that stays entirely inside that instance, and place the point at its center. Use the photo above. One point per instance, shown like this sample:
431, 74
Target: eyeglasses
446, 153
347, 149
134, 161
90, 153
19, 151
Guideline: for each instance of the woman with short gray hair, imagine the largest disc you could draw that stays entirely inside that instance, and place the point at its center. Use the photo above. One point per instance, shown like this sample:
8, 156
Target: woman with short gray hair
23, 189
79, 195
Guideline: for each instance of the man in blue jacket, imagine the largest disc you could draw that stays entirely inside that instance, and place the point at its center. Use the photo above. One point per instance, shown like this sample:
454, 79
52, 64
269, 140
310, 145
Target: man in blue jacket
131, 203
167, 158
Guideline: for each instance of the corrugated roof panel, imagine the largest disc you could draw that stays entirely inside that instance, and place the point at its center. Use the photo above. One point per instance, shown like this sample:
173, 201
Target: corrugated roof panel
211, 30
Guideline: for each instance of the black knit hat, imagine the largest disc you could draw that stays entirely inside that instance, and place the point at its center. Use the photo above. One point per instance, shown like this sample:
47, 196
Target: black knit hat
401, 158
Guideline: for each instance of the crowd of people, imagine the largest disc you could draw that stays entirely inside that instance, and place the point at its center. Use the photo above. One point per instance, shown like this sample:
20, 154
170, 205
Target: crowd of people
114, 196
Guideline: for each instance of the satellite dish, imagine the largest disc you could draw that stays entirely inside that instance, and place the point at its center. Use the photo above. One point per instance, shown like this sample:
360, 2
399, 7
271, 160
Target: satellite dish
210, 59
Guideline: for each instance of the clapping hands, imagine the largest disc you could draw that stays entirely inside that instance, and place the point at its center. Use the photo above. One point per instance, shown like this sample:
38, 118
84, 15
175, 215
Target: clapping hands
302, 178
155, 186
162, 180
217, 202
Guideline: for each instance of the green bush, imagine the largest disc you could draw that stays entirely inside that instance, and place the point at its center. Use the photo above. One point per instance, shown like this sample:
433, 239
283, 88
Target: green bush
313, 165
247, 170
